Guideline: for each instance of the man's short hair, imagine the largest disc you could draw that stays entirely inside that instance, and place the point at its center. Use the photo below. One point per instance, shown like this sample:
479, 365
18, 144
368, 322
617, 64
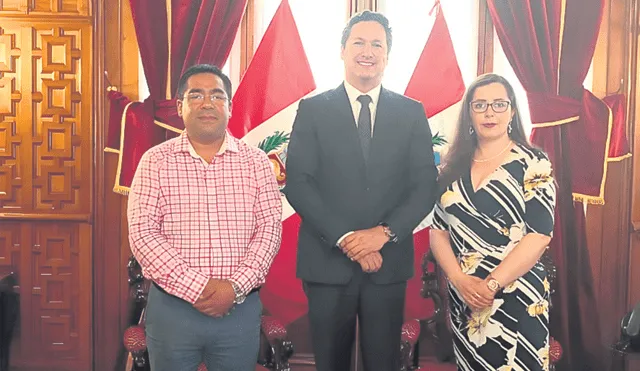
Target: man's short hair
367, 16
203, 68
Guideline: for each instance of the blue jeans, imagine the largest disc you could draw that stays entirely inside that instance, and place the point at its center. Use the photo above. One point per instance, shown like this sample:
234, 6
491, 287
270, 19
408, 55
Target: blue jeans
179, 337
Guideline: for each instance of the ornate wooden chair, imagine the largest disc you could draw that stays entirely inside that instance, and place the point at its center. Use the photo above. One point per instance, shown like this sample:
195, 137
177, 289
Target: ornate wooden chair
555, 348
433, 327
275, 349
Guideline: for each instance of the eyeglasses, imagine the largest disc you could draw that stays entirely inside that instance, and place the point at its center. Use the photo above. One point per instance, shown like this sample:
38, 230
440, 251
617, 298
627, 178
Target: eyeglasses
498, 106
198, 98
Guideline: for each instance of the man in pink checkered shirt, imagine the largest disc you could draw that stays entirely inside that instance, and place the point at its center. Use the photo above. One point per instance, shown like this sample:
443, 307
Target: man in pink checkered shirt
205, 224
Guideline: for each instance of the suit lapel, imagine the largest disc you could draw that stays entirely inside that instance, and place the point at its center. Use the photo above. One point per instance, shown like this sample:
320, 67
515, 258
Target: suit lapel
382, 129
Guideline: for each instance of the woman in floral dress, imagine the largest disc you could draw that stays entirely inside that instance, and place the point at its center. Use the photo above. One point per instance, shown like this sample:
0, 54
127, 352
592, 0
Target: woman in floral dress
491, 225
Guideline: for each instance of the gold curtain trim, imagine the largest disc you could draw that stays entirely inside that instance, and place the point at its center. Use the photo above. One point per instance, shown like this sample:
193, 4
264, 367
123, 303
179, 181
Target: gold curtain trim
122, 190
111, 150
563, 12
117, 188
167, 127
599, 200
555, 123
619, 158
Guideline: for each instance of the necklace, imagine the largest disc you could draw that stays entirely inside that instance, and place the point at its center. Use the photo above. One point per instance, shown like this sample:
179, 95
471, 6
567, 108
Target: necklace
491, 158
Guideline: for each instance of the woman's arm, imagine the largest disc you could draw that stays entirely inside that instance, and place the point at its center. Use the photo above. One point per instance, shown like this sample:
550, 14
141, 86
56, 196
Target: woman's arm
521, 259
442, 251
540, 200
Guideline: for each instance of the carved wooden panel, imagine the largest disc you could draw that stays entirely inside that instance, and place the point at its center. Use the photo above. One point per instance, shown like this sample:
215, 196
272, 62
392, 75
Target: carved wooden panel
61, 118
72, 7
46, 7
58, 296
13, 6
10, 245
12, 163
45, 117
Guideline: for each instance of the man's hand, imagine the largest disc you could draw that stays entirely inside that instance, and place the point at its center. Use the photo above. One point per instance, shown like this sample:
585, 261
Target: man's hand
371, 263
216, 299
364, 242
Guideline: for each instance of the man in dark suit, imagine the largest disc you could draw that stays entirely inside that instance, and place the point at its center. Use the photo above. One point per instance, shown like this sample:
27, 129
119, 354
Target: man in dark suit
361, 174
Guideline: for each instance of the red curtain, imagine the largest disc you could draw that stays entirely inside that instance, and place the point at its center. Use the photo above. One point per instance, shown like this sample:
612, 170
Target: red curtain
550, 45
202, 31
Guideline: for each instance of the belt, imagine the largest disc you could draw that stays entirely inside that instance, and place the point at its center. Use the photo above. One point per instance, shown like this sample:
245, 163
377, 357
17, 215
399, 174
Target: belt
165, 292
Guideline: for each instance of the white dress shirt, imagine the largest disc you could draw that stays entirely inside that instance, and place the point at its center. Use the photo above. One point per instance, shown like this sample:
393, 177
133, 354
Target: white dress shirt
353, 95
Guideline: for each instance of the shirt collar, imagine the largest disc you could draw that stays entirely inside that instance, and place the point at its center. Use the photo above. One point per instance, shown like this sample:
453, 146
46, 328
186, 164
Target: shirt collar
353, 93
184, 145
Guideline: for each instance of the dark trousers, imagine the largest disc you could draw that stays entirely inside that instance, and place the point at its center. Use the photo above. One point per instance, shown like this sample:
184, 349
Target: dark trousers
179, 337
333, 310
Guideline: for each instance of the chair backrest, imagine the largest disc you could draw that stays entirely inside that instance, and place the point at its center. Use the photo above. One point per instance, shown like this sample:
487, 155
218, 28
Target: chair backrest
139, 290
547, 262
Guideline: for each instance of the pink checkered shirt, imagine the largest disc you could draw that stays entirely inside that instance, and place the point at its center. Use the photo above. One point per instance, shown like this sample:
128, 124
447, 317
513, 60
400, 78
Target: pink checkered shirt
190, 221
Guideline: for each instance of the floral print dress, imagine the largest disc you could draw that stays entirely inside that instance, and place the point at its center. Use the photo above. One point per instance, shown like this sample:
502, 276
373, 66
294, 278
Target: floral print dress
484, 226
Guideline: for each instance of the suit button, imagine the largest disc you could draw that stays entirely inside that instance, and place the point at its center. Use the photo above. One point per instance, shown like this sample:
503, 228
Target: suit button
368, 189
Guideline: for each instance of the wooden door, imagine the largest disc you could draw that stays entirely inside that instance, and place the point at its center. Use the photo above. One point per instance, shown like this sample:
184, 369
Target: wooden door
45, 182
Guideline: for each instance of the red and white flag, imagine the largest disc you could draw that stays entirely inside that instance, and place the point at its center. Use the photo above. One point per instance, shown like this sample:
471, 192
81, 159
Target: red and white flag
264, 108
437, 82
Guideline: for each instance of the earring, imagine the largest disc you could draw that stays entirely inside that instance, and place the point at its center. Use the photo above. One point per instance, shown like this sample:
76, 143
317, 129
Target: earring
471, 131
509, 128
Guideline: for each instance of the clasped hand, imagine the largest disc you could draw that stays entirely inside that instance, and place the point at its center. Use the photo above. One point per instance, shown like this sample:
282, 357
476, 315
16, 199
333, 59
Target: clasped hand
216, 299
364, 246
474, 291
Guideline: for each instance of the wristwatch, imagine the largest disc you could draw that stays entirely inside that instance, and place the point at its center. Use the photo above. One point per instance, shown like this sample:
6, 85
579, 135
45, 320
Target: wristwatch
392, 236
239, 296
493, 284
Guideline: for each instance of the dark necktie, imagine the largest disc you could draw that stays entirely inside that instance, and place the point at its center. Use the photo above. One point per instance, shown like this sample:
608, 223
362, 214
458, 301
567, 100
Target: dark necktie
364, 125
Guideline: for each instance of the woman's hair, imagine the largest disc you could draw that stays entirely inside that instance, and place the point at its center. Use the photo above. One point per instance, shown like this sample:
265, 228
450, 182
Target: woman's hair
459, 156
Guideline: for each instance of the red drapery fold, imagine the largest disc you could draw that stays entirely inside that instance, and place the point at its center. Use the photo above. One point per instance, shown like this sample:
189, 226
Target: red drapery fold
550, 45
201, 32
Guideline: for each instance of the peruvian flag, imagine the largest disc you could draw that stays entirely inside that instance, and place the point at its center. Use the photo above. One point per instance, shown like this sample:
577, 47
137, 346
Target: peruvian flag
436, 82
264, 108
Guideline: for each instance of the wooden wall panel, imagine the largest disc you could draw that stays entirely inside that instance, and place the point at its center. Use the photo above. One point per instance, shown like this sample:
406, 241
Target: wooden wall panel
609, 225
10, 247
117, 54
633, 264
61, 120
60, 266
13, 7
46, 7
12, 167
45, 128
46, 175
54, 277
58, 7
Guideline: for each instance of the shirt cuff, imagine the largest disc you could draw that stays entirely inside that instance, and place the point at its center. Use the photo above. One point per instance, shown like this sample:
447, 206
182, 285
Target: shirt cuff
342, 238
191, 284
242, 278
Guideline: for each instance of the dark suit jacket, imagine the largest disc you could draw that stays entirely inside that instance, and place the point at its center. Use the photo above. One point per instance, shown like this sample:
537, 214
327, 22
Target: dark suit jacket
334, 191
